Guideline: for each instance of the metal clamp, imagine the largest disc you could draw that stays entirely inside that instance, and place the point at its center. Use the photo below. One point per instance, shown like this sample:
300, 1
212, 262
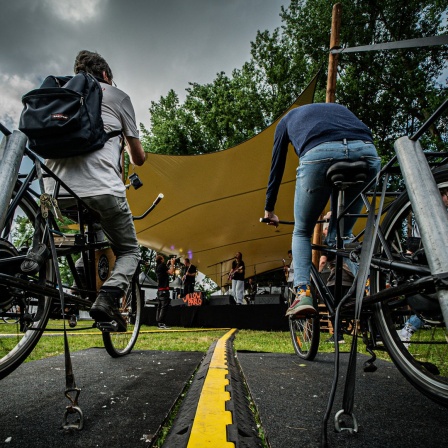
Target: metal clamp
73, 409
338, 421
47, 202
77, 424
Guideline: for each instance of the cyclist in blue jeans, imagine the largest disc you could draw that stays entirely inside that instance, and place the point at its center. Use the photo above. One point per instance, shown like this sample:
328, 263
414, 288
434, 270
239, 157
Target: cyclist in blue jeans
322, 134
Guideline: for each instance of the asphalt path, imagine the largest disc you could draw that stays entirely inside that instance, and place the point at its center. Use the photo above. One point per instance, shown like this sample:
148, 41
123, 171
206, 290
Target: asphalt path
292, 395
126, 400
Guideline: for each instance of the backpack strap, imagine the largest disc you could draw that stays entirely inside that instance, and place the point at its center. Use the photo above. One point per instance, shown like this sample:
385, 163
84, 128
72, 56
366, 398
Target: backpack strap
110, 134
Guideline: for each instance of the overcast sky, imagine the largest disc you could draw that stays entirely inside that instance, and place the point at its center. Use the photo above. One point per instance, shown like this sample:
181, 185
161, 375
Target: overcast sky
152, 46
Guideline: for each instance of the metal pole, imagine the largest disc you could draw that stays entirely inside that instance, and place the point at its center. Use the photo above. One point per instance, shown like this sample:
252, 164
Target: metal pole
9, 168
430, 213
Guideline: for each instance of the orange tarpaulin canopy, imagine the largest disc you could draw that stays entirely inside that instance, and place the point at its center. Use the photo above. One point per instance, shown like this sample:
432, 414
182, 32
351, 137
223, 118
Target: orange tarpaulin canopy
213, 202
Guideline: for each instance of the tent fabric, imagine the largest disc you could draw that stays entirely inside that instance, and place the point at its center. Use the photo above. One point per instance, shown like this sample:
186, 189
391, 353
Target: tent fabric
213, 202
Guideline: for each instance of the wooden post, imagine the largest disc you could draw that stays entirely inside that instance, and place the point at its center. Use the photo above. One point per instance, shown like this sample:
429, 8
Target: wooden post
330, 97
335, 41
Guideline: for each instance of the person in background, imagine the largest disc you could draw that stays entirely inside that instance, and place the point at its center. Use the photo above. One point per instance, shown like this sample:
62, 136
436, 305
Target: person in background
237, 276
189, 277
163, 272
289, 271
323, 258
252, 289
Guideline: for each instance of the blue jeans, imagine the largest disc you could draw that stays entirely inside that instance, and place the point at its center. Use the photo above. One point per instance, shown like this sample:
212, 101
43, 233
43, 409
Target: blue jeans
415, 322
313, 192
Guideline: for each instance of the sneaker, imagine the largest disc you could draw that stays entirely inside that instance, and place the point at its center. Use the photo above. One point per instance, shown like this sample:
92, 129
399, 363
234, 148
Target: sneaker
303, 304
340, 339
72, 321
406, 334
105, 310
163, 327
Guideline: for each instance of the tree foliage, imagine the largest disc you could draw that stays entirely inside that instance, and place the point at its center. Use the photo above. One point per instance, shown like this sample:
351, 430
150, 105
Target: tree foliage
391, 91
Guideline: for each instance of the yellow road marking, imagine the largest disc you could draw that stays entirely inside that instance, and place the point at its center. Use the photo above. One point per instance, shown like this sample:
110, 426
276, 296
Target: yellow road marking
209, 426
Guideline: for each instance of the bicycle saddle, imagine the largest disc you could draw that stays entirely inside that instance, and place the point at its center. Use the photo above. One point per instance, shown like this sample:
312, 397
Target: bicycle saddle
347, 173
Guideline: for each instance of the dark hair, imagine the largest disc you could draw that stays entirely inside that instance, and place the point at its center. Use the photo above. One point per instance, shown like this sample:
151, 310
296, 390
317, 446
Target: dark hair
187, 259
159, 259
92, 63
290, 251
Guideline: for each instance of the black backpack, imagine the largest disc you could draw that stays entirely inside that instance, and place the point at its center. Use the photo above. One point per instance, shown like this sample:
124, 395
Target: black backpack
63, 117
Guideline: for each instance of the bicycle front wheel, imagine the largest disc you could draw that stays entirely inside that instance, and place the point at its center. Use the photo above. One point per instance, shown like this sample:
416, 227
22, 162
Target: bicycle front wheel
421, 354
24, 314
121, 343
305, 334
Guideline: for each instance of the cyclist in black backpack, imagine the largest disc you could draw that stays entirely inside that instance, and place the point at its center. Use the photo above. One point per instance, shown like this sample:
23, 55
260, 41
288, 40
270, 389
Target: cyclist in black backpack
96, 178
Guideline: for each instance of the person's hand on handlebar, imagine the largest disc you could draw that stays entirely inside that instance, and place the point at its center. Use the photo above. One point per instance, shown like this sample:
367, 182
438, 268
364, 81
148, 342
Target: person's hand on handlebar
272, 217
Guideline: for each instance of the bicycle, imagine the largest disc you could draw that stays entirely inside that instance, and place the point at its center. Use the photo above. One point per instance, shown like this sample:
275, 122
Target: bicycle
392, 283
28, 300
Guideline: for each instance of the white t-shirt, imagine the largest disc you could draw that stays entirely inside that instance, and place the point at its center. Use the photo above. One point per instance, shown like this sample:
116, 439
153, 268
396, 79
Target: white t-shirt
98, 172
291, 273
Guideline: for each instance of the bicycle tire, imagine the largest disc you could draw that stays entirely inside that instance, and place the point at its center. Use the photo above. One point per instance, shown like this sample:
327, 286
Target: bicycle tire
305, 334
427, 350
26, 315
121, 343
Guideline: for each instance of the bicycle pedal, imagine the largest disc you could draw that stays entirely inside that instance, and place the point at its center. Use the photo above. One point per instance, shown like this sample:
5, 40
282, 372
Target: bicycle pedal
108, 327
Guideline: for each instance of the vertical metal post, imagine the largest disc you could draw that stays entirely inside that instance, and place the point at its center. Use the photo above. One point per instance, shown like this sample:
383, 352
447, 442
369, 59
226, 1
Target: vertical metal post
9, 168
429, 210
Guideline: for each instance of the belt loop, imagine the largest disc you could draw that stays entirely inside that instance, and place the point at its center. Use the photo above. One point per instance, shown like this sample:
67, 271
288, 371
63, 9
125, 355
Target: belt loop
344, 141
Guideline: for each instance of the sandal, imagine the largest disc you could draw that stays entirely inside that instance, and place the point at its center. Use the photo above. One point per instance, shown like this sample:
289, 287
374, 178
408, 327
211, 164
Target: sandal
35, 259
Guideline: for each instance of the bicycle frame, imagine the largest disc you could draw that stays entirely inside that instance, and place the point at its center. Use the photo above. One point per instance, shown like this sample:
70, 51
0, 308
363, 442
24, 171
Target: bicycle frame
425, 199
13, 153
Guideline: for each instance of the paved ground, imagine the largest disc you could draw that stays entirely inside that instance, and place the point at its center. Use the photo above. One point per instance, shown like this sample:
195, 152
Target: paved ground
291, 396
126, 400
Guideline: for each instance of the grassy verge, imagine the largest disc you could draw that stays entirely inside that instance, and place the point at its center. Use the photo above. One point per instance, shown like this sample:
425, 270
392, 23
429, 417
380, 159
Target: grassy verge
177, 339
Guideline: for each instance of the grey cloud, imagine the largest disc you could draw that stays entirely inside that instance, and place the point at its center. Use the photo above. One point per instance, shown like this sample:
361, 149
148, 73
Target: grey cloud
151, 46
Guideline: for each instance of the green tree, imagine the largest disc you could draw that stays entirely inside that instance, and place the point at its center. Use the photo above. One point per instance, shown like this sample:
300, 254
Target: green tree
173, 130
22, 232
392, 91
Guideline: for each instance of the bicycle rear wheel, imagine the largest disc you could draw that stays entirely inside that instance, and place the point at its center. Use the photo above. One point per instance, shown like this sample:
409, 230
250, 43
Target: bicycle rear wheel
305, 333
423, 359
23, 314
121, 343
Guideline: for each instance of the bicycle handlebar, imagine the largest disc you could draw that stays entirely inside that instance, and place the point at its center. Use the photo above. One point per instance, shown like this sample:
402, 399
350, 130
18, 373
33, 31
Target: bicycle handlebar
4, 130
150, 209
267, 221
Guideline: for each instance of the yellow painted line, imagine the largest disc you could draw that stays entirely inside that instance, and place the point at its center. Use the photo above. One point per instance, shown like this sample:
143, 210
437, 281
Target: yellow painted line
209, 425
